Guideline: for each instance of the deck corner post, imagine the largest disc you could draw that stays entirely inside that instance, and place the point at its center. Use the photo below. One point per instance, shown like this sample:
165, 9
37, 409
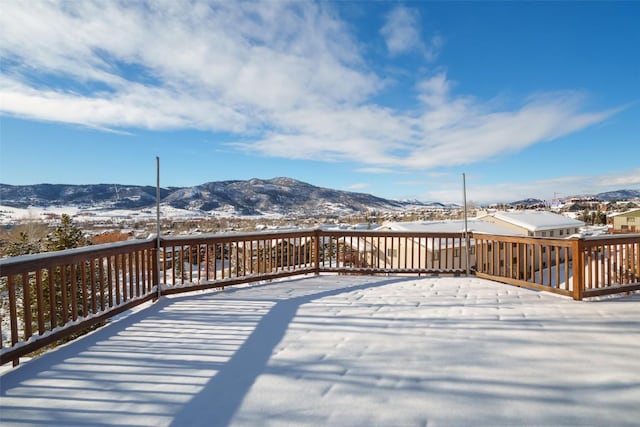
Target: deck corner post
578, 268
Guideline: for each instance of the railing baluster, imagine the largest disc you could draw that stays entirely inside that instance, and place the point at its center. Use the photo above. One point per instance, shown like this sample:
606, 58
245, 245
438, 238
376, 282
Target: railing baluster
101, 262
130, 263
94, 302
84, 290
53, 320
40, 301
137, 257
590, 267
567, 253
13, 313
557, 261
73, 288
110, 281
62, 270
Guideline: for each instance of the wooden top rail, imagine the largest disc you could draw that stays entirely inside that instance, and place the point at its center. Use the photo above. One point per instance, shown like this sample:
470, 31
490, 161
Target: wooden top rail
390, 233
232, 237
548, 241
32, 262
618, 239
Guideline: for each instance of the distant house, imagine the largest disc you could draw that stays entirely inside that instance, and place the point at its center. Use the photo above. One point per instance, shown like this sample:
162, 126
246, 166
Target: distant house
449, 253
626, 222
534, 223
438, 253
270, 254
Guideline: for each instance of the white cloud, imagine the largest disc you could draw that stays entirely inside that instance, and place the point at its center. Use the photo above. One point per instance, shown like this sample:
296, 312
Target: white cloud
544, 189
358, 186
402, 31
621, 180
286, 77
236, 59
376, 170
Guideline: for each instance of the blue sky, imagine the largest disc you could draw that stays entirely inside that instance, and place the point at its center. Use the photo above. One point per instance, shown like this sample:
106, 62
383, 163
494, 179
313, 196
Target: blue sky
396, 99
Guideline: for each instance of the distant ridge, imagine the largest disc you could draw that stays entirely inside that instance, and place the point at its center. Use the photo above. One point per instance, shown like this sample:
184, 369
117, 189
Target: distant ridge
251, 197
618, 195
608, 196
281, 196
528, 202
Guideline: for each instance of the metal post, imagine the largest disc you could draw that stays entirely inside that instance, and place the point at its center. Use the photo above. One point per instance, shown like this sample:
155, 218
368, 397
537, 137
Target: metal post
158, 223
466, 228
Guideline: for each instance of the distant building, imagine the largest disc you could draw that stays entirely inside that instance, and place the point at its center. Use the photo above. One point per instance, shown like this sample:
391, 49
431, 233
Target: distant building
448, 253
534, 223
439, 253
626, 222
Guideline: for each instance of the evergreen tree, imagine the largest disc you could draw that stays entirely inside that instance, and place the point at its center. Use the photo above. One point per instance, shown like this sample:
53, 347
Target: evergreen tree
24, 245
66, 236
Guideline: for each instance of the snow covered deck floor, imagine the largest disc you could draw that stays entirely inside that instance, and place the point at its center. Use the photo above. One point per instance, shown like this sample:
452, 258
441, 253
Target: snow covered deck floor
345, 351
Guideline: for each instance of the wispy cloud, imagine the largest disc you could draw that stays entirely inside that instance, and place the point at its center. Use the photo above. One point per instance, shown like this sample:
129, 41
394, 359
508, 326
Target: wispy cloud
358, 186
376, 170
402, 33
218, 66
414, 183
545, 189
286, 78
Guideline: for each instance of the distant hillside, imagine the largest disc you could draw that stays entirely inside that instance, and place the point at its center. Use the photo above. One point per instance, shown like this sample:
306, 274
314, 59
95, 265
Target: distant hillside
106, 195
277, 195
618, 195
528, 202
282, 196
252, 197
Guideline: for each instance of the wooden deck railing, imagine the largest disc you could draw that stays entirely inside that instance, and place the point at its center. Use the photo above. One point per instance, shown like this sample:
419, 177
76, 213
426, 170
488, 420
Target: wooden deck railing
580, 268
218, 260
611, 263
536, 263
49, 297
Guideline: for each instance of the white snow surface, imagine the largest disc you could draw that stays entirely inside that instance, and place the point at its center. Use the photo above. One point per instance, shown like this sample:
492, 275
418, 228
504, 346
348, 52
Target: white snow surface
450, 226
538, 220
344, 351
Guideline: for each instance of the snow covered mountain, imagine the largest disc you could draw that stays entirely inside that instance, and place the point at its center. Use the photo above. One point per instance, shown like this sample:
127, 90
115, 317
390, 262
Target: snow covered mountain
618, 195
252, 197
91, 195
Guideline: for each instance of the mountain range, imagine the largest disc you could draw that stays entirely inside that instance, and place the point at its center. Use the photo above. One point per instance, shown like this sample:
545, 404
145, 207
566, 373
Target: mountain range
250, 197
282, 196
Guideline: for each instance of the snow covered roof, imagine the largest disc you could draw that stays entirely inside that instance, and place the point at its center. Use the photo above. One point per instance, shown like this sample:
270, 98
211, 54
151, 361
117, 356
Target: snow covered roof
630, 211
456, 226
537, 220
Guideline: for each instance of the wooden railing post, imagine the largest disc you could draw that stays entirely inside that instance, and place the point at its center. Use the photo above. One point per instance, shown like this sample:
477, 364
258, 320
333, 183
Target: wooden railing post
316, 251
578, 268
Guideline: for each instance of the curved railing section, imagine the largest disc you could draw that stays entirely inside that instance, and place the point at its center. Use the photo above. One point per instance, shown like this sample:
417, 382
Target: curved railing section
49, 297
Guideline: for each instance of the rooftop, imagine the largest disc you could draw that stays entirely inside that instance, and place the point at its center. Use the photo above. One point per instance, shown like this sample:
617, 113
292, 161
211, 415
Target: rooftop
344, 350
537, 220
451, 226
631, 212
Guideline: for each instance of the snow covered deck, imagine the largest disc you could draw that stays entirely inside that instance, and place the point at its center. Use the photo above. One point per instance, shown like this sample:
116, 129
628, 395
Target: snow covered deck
344, 351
